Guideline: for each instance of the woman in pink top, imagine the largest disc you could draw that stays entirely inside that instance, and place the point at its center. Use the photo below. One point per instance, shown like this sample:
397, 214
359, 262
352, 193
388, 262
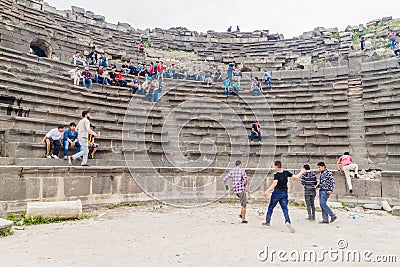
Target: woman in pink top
347, 164
392, 37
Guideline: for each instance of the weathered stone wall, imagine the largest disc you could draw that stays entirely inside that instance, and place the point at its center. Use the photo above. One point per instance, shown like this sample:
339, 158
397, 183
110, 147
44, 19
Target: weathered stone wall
110, 186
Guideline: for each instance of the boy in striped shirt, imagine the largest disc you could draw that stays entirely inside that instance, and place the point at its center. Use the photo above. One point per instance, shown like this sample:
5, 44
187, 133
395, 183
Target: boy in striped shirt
309, 181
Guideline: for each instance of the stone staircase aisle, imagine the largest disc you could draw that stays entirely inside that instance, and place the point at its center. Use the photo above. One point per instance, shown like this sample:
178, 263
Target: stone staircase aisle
358, 145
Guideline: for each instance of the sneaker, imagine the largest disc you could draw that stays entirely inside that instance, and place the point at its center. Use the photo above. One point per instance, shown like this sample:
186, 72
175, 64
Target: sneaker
323, 222
266, 224
245, 221
91, 156
70, 159
65, 157
85, 165
54, 156
290, 227
48, 157
333, 219
351, 191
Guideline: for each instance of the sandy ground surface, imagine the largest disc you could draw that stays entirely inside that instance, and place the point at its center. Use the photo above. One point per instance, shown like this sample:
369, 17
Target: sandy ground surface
207, 236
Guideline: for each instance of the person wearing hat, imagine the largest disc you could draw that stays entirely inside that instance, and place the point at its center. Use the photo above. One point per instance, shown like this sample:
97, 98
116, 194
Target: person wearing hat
87, 78
239, 183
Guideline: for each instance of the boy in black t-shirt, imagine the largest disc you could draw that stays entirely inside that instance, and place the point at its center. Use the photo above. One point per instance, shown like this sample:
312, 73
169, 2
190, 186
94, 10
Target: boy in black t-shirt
279, 191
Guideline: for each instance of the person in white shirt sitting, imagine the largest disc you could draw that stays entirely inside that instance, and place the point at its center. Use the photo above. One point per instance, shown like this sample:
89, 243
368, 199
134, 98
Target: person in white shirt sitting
78, 59
53, 139
75, 75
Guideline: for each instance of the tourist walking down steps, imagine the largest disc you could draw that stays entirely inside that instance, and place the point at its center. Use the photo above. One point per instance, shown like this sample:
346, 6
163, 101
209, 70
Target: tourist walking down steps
84, 130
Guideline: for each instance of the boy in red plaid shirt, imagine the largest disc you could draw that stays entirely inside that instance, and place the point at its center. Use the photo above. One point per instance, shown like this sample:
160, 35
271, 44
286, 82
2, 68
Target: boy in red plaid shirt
239, 182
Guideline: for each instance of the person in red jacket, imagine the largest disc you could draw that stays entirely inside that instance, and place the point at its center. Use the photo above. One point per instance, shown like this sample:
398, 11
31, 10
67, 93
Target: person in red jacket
120, 80
160, 72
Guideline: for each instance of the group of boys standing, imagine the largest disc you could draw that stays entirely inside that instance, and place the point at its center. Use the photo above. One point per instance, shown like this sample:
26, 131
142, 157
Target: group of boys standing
279, 189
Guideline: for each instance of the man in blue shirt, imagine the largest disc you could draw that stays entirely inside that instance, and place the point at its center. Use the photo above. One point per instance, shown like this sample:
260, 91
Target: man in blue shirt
227, 84
231, 68
325, 186
71, 139
235, 88
268, 77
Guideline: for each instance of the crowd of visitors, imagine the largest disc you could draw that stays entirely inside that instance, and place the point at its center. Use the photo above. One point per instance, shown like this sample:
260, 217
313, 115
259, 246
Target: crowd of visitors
107, 74
143, 75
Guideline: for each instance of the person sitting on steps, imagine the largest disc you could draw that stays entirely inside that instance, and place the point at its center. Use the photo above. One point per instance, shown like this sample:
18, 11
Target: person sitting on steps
75, 75
70, 139
256, 87
78, 59
92, 144
53, 138
87, 78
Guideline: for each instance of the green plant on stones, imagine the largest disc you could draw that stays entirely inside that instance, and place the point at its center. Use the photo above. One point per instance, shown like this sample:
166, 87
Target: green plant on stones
297, 204
356, 36
335, 36
6, 232
35, 220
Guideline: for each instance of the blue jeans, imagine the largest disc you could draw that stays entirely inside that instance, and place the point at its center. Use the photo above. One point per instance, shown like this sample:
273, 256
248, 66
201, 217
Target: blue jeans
134, 89
282, 198
66, 147
392, 44
160, 77
154, 97
256, 89
268, 82
97, 79
326, 210
226, 91
252, 135
84, 150
91, 61
84, 80
230, 76
149, 96
106, 81
103, 63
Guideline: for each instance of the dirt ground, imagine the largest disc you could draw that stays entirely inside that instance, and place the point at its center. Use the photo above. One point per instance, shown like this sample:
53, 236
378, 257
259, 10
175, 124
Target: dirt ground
206, 236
